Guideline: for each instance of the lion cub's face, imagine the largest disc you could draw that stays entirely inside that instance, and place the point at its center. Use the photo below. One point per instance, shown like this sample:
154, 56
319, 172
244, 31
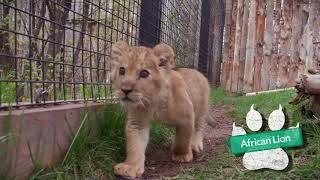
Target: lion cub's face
136, 74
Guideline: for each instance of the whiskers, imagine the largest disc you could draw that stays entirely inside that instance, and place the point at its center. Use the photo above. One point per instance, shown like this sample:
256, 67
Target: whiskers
142, 104
124, 103
147, 100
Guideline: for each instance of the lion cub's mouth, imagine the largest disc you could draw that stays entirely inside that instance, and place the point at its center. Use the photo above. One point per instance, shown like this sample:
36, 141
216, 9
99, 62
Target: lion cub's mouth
126, 99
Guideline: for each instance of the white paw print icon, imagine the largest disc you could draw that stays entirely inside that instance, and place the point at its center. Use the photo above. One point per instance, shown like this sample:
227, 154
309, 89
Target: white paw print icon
276, 159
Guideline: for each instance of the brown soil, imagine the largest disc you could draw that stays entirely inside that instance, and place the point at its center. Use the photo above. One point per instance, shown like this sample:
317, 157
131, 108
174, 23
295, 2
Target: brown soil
158, 157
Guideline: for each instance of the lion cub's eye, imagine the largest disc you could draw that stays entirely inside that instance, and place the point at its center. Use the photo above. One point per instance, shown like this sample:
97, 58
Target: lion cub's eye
122, 70
144, 74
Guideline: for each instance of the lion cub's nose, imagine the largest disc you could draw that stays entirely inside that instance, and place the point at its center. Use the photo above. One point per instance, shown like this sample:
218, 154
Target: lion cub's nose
126, 91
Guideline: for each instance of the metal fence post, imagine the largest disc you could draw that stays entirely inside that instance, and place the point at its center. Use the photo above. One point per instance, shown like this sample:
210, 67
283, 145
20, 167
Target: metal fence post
150, 20
204, 36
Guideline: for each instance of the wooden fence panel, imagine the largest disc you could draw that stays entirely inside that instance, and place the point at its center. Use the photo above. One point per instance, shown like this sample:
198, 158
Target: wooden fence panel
267, 48
236, 61
226, 64
297, 26
315, 4
275, 46
285, 38
308, 32
269, 43
259, 45
232, 42
244, 37
250, 48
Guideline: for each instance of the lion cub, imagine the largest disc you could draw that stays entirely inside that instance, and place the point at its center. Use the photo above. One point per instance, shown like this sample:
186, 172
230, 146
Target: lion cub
151, 90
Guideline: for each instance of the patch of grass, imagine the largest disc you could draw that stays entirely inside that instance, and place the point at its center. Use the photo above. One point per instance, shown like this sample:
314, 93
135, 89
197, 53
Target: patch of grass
159, 133
8, 141
7, 92
98, 146
305, 161
264, 103
218, 96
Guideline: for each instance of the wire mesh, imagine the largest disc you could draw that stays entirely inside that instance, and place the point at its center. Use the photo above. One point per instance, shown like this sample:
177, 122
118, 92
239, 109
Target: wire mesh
181, 22
58, 51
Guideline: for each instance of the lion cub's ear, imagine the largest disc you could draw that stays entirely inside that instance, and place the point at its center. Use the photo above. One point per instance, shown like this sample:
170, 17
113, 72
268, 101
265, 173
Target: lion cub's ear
165, 54
117, 51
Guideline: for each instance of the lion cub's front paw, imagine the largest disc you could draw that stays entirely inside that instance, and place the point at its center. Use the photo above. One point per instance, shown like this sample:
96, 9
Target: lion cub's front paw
124, 169
183, 157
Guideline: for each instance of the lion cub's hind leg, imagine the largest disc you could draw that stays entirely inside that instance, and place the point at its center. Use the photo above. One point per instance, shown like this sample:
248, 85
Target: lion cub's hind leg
198, 133
182, 151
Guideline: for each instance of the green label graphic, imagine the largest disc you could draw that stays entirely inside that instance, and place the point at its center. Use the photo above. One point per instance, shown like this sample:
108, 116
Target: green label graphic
266, 140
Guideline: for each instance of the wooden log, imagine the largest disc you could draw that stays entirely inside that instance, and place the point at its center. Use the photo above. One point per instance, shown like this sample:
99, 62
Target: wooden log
308, 87
311, 84
315, 104
313, 71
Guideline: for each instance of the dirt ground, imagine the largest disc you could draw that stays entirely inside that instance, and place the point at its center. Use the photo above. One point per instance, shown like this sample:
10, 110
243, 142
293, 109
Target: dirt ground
158, 157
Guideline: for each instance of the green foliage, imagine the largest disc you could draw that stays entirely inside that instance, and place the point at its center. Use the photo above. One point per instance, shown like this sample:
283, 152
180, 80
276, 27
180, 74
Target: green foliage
92, 91
217, 96
8, 142
8, 93
7, 90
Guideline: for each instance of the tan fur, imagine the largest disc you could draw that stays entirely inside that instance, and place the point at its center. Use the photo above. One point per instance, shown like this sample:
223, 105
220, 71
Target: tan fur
175, 97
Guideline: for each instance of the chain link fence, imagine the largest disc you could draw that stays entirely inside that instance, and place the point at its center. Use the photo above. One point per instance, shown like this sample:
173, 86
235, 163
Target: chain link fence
58, 51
